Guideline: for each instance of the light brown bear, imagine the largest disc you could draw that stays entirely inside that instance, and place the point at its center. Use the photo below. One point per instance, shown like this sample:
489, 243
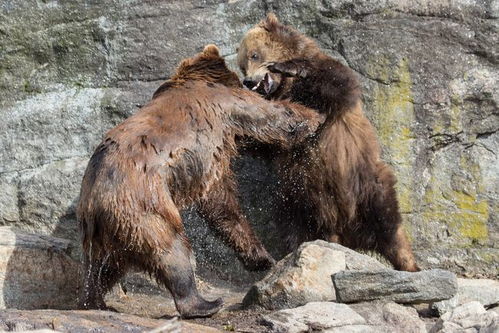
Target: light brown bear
173, 152
335, 185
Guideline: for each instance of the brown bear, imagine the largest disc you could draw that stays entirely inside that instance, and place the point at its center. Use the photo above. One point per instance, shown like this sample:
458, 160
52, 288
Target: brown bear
335, 186
173, 152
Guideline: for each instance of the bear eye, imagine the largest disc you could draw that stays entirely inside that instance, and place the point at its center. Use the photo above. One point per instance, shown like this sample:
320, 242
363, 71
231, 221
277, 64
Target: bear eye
254, 56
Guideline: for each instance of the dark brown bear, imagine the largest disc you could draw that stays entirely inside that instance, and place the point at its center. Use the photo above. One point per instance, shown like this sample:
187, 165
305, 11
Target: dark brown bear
335, 186
173, 152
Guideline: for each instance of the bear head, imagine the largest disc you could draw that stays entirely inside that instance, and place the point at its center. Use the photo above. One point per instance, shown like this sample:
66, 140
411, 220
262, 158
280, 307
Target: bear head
208, 66
270, 42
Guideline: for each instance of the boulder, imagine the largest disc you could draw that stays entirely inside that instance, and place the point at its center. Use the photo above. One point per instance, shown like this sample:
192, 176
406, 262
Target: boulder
353, 259
299, 278
401, 287
390, 317
304, 276
402, 318
314, 316
484, 291
469, 317
36, 271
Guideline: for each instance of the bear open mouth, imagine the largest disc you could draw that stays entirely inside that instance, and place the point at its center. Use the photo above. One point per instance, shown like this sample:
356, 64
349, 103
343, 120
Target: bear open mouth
264, 87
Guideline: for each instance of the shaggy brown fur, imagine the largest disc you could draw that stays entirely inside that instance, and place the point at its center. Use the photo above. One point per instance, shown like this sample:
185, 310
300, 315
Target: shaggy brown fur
336, 186
173, 152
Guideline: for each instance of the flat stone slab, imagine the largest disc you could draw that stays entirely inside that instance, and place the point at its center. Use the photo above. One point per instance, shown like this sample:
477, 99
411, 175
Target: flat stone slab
401, 287
79, 321
484, 291
36, 271
314, 316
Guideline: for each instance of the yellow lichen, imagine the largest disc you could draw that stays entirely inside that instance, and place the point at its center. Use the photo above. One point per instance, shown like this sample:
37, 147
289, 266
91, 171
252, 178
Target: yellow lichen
465, 215
471, 217
394, 113
448, 122
454, 124
455, 200
455, 119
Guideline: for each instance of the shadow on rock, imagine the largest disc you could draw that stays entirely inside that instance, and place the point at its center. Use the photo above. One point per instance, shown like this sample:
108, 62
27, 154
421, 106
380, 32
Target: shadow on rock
37, 271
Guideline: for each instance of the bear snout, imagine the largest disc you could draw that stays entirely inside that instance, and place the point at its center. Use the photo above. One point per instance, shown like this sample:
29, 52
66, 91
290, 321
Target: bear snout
249, 83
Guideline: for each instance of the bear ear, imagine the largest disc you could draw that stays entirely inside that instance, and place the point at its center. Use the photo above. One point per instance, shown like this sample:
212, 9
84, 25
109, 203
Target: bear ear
211, 50
270, 22
272, 18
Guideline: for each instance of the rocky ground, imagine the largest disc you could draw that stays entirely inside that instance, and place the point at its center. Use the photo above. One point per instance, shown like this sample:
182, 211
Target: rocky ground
321, 287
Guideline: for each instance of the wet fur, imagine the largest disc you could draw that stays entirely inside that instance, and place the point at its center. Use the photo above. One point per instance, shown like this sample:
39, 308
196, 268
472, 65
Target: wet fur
336, 187
174, 152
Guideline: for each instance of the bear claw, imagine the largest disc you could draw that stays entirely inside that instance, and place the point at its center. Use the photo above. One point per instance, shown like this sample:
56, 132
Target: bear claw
288, 68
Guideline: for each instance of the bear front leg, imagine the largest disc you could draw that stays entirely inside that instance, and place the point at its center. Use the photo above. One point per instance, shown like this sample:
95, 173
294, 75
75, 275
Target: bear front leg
399, 252
390, 236
222, 211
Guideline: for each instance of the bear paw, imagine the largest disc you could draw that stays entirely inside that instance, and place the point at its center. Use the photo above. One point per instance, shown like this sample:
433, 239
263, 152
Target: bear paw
291, 68
260, 262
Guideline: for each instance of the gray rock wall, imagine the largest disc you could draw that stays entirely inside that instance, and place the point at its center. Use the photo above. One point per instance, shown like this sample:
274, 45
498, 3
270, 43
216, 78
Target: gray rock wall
70, 70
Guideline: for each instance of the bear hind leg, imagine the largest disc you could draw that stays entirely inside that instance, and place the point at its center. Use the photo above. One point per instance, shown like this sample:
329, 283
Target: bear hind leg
163, 250
100, 276
173, 269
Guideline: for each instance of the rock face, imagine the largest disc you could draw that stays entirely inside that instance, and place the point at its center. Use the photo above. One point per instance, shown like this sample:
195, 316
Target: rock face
482, 290
299, 278
397, 286
470, 317
71, 70
36, 272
